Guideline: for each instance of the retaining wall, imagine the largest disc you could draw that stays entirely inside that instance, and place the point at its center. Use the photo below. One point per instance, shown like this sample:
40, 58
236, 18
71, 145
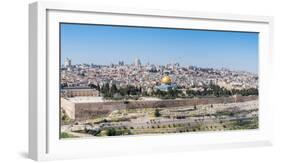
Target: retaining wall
84, 111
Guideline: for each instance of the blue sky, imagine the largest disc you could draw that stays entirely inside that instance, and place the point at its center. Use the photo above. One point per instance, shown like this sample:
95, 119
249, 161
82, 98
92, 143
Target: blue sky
100, 44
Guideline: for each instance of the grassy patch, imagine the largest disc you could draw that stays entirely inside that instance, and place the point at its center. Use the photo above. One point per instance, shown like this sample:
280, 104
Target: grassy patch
66, 135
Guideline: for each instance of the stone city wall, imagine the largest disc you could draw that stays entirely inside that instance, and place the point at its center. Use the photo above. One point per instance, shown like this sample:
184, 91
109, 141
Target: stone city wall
82, 111
68, 107
87, 110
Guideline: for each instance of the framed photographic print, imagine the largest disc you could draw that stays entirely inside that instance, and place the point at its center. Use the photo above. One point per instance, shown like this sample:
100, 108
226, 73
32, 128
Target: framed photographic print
109, 81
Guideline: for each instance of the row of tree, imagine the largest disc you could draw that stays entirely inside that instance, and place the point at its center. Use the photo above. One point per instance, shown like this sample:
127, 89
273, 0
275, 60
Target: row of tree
114, 92
170, 94
215, 90
129, 91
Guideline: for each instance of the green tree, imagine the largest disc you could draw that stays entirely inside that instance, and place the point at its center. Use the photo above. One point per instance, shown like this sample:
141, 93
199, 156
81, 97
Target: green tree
110, 132
157, 113
113, 89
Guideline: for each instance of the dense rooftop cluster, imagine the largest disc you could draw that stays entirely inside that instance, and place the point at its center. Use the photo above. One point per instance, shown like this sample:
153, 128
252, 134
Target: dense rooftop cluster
146, 77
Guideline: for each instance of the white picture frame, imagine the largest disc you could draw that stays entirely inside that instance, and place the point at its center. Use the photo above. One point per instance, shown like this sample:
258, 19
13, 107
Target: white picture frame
44, 142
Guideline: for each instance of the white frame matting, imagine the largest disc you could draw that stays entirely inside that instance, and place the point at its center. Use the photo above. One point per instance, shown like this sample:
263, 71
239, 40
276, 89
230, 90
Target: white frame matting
44, 142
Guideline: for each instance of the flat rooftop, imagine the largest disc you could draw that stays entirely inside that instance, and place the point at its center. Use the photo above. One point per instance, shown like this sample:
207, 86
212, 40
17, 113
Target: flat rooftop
85, 99
89, 99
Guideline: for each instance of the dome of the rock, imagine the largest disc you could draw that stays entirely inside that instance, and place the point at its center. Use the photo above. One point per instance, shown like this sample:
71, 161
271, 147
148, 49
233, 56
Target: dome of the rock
166, 80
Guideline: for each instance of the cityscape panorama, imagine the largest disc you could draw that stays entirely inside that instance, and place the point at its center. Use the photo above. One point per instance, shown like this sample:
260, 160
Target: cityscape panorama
125, 80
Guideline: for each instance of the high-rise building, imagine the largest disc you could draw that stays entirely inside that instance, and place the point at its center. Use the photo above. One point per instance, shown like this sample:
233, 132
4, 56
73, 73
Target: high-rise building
137, 62
121, 63
67, 63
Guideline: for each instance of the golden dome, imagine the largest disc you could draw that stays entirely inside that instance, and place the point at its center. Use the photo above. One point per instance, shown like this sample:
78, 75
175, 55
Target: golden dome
166, 80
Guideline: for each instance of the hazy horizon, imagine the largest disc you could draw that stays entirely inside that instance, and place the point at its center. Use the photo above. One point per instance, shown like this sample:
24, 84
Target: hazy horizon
105, 45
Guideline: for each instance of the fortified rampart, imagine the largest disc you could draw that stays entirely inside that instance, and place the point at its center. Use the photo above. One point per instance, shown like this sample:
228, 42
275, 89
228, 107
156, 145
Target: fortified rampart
82, 111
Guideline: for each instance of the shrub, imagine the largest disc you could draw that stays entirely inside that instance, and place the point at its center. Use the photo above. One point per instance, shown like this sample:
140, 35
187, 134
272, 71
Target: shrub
157, 113
66, 135
110, 132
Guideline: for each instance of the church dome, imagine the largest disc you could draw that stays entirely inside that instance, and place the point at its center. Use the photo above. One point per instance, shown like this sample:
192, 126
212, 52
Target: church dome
166, 80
